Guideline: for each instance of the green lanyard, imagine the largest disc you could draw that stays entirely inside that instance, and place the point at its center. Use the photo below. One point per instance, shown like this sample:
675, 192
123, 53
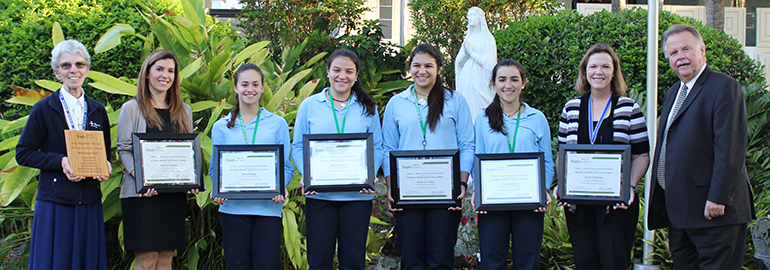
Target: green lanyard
512, 146
243, 128
423, 124
337, 124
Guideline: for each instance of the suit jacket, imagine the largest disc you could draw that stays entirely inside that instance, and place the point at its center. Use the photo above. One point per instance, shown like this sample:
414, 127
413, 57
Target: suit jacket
705, 156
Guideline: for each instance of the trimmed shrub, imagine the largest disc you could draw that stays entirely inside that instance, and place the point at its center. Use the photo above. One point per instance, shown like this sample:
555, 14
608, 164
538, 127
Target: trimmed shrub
25, 32
551, 46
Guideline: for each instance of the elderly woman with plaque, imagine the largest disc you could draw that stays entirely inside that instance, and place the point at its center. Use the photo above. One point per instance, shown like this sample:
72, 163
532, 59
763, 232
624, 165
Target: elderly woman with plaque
153, 222
602, 236
68, 227
475, 61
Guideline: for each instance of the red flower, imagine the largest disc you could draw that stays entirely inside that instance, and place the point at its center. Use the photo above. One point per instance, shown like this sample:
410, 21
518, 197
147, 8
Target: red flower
464, 220
374, 215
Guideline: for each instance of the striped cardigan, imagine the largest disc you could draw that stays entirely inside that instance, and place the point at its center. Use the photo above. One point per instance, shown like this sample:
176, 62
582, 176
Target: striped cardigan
628, 124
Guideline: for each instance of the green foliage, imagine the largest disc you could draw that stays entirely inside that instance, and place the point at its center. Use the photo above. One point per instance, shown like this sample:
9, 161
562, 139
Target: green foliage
288, 22
551, 46
25, 32
442, 23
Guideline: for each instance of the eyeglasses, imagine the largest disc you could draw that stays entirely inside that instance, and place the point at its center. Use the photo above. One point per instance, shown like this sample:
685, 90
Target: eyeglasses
79, 65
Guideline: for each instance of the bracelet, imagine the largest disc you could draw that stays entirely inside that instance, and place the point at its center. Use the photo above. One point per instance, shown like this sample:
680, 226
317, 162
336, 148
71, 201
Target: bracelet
633, 188
464, 184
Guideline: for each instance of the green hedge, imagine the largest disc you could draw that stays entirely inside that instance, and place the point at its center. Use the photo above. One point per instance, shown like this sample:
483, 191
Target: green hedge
25, 32
551, 46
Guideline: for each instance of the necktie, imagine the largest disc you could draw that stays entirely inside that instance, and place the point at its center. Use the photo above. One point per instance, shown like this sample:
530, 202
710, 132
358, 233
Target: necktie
662, 160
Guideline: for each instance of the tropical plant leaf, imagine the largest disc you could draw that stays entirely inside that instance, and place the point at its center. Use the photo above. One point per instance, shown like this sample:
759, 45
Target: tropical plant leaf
203, 105
280, 95
111, 38
56, 34
9, 143
26, 96
202, 198
190, 69
111, 204
48, 84
248, 52
5, 158
15, 124
14, 180
215, 113
110, 84
291, 237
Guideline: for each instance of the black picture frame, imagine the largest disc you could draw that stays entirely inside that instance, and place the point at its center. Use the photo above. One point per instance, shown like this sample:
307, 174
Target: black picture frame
624, 150
452, 155
142, 185
478, 181
216, 161
310, 185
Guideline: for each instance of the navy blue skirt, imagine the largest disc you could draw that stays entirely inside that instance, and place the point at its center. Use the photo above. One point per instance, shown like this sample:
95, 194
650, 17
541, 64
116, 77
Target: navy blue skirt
68, 237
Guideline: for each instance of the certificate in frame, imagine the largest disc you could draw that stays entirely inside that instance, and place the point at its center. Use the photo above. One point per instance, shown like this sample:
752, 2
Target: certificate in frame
338, 162
505, 182
425, 179
247, 171
167, 162
596, 174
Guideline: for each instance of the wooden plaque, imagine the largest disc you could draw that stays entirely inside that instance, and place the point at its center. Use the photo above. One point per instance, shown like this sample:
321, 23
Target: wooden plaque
86, 153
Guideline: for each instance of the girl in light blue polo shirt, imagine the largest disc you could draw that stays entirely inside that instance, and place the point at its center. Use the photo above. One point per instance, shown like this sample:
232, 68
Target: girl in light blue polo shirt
340, 218
509, 125
252, 229
427, 116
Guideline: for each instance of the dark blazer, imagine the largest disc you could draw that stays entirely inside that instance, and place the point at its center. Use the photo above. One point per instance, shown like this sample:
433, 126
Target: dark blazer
705, 156
42, 145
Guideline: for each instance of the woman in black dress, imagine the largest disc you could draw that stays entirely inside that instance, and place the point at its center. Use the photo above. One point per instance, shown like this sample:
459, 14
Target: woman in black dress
153, 223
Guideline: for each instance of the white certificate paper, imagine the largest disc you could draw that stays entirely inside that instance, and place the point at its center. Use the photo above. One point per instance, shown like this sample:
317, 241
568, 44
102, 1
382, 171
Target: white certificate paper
593, 174
425, 179
338, 162
169, 162
510, 181
247, 171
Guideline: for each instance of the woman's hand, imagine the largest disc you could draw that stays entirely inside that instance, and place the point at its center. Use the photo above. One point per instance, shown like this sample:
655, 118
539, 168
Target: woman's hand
473, 204
67, 169
462, 200
194, 191
390, 197
547, 203
104, 178
150, 192
630, 201
556, 197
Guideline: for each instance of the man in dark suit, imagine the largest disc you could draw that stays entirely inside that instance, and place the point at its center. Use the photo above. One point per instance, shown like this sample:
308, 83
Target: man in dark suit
700, 185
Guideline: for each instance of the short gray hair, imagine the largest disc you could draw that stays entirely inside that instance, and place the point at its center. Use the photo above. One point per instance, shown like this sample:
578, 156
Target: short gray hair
679, 28
71, 46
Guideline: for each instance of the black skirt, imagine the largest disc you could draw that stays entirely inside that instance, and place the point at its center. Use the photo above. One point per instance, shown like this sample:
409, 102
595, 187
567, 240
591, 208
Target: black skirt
155, 223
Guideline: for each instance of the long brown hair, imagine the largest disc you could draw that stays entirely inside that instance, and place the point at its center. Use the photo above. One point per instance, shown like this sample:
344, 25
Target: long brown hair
618, 84
179, 118
436, 96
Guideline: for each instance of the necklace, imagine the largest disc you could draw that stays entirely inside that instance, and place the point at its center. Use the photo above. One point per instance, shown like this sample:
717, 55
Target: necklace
509, 115
422, 99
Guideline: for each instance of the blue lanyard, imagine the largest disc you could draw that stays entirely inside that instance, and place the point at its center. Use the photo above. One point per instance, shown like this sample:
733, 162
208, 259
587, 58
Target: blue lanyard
591, 131
69, 115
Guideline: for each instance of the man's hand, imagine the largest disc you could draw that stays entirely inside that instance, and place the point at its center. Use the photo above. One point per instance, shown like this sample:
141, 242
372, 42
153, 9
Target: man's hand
713, 210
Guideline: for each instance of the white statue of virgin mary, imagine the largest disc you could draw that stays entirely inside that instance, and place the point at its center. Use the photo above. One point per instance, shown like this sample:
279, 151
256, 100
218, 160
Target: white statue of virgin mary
474, 63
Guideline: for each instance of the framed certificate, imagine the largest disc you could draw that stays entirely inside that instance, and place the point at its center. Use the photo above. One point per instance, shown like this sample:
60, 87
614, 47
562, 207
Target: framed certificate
596, 174
425, 179
510, 181
247, 171
338, 162
167, 162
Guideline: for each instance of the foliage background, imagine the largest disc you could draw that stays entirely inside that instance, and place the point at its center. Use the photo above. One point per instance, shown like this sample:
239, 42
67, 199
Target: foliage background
25, 35
550, 47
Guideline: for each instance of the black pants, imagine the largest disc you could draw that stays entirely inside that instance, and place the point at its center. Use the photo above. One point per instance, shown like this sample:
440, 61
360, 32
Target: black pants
251, 242
708, 248
524, 230
345, 223
427, 238
602, 240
